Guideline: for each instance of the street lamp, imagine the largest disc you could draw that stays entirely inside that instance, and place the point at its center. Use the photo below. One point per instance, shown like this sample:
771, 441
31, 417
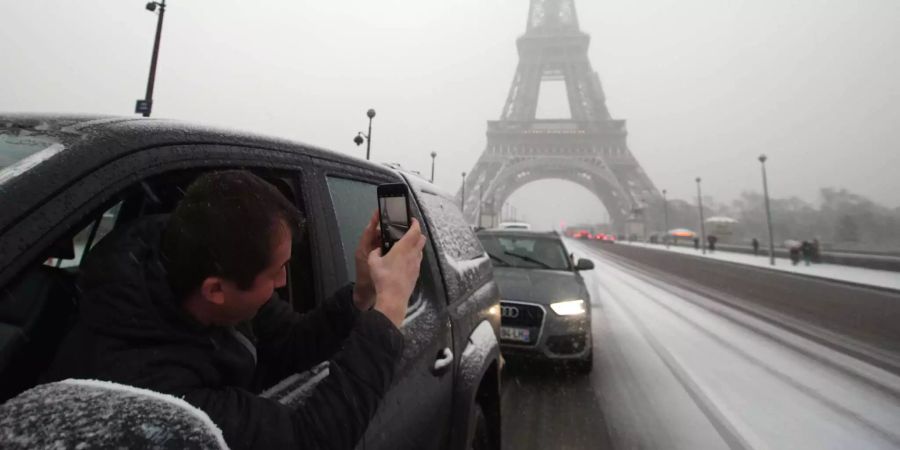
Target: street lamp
666, 215
462, 195
146, 105
433, 155
702, 225
762, 161
368, 137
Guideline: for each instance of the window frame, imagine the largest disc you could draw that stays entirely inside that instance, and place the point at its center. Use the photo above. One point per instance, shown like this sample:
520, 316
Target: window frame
349, 172
81, 202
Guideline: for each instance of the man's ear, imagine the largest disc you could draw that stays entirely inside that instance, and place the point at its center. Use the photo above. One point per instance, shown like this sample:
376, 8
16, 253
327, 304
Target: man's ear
212, 290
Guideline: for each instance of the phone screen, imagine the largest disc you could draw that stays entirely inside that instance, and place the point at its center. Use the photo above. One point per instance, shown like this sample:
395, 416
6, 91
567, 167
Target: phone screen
394, 217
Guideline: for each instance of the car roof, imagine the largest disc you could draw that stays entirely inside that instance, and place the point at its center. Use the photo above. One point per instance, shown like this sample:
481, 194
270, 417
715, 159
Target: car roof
78, 133
91, 141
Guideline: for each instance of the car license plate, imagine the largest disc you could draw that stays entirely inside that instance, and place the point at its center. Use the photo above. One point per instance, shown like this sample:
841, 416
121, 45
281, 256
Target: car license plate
515, 334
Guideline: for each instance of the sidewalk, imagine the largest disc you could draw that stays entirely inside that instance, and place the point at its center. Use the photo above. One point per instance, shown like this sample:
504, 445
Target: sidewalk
872, 277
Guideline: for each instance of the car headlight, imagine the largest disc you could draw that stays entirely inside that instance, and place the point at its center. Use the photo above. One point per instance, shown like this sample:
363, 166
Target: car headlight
568, 307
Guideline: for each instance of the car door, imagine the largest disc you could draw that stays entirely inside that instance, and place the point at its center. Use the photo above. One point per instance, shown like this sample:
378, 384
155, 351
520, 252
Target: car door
415, 412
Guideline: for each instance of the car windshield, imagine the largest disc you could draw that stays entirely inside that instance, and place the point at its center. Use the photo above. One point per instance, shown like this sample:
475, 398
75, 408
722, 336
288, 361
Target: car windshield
19, 152
526, 252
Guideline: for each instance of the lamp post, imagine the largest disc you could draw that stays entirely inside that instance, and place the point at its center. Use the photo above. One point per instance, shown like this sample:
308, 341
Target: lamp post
433, 155
702, 225
666, 215
144, 106
368, 137
762, 162
480, 204
462, 195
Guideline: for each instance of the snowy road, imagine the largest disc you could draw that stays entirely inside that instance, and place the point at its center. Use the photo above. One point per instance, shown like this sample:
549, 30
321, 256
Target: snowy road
675, 368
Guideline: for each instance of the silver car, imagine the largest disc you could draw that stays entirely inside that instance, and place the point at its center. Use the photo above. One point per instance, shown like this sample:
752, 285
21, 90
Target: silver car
545, 307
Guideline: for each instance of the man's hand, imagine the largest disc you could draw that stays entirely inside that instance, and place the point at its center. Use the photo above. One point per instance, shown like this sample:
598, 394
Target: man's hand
394, 275
364, 290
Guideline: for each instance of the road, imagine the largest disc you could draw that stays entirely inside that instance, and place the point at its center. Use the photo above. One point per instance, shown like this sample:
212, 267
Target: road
693, 356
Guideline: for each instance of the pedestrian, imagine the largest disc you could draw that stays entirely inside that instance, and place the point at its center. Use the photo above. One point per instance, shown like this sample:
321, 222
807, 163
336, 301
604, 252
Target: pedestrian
755, 244
696, 243
816, 251
794, 252
712, 243
184, 304
806, 249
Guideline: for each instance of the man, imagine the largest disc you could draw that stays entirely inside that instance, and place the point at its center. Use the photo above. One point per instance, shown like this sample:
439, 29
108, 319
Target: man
806, 249
184, 305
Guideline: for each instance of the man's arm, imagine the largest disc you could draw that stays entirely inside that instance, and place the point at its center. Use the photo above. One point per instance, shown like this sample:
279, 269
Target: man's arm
289, 342
336, 414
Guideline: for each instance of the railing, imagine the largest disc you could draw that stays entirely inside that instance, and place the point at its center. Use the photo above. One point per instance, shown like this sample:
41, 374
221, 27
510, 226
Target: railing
867, 260
556, 126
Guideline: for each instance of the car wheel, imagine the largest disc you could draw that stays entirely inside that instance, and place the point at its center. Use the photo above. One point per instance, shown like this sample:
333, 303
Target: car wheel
481, 440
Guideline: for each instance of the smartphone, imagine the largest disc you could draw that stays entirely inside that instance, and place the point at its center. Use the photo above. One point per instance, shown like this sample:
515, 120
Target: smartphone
393, 214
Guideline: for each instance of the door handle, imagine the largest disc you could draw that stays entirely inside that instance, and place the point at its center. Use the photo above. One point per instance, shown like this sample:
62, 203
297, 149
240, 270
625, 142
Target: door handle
443, 362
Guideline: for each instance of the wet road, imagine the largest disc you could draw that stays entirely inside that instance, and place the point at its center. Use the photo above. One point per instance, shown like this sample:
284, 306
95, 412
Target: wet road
685, 359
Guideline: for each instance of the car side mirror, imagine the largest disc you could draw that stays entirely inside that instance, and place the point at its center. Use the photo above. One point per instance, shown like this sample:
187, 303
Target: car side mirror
584, 264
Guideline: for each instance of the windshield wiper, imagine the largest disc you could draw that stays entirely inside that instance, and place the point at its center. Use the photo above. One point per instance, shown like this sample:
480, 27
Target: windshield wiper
529, 259
498, 259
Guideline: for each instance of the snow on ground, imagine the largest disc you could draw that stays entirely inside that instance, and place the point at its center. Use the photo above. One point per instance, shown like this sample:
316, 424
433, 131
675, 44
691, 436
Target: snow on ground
861, 275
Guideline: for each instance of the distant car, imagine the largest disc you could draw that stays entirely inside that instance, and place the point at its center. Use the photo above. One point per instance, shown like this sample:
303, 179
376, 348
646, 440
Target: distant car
67, 182
582, 234
545, 306
514, 226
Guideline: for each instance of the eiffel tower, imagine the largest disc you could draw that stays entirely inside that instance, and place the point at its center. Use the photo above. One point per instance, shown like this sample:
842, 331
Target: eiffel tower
589, 148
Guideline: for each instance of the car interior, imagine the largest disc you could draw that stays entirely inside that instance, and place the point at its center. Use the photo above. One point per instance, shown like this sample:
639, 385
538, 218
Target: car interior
40, 305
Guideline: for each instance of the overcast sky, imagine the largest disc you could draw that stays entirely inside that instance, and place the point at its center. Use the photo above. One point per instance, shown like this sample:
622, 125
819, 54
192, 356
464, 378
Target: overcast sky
705, 85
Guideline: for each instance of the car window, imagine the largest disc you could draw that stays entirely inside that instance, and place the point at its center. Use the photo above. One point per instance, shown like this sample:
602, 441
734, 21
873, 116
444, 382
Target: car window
526, 252
47, 289
84, 240
24, 149
354, 202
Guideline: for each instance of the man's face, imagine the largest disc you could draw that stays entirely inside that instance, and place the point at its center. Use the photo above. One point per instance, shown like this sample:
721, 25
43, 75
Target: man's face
241, 305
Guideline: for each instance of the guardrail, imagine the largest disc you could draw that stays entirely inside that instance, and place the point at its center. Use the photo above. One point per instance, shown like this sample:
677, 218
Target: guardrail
869, 261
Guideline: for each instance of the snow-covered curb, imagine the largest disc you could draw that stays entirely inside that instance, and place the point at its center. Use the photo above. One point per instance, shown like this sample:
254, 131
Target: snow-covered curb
859, 275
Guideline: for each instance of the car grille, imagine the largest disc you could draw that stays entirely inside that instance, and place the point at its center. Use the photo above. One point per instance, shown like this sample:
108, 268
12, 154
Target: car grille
521, 315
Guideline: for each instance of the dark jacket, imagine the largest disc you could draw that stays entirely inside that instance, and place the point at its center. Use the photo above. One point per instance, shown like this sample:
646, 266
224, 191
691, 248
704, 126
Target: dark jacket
132, 331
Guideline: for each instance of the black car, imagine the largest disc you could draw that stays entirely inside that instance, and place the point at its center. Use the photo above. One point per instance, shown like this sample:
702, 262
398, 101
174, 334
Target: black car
67, 181
545, 306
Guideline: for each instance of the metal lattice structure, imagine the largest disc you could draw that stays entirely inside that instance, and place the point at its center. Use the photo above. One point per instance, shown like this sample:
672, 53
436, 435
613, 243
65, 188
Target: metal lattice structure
589, 148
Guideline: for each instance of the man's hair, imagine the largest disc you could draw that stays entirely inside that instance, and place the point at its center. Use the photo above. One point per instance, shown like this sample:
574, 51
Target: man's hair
227, 226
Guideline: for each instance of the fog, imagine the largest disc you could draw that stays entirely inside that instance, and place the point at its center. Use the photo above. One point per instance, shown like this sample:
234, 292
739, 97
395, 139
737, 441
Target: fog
705, 85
